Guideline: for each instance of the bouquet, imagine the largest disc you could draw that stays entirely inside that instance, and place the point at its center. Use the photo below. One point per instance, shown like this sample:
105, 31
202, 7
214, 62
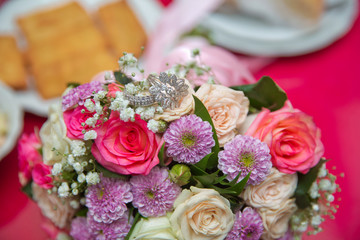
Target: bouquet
162, 158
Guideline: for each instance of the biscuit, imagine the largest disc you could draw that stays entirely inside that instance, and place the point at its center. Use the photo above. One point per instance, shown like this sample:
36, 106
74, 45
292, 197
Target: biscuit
50, 24
64, 46
122, 28
12, 70
51, 81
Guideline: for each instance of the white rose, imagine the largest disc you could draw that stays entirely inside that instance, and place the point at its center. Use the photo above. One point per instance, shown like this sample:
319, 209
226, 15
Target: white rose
58, 210
201, 214
276, 222
186, 106
227, 108
53, 135
153, 229
275, 189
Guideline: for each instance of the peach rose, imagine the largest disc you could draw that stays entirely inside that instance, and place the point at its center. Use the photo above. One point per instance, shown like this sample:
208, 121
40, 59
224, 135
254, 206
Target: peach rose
201, 214
186, 107
153, 228
275, 189
227, 108
276, 222
58, 210
293, 138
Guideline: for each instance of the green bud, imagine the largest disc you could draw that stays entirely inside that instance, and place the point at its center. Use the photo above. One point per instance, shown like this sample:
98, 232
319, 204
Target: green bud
195, 52
180, 174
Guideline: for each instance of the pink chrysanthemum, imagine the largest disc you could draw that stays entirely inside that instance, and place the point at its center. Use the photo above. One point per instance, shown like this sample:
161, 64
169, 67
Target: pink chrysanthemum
107, 200
189, 139
79, 94
244, 154
247, 226
154, 194
108, 231
79, 229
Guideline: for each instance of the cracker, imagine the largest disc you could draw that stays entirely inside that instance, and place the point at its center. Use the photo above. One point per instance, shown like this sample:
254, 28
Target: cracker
50, 24
12, 70
122, 28
64, 46
52, 80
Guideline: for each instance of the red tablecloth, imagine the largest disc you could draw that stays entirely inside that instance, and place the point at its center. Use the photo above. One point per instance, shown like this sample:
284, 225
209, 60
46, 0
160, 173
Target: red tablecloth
324, 84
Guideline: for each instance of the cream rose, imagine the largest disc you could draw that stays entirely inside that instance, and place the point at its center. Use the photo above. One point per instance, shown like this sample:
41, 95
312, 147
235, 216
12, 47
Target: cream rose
58, 210
186, 106
153, 229
276, 222
228, 109
275, 189
53, 135
201, 214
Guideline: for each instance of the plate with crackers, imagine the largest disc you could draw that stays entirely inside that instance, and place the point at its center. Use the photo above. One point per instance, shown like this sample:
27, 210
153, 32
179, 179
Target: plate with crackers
46, 45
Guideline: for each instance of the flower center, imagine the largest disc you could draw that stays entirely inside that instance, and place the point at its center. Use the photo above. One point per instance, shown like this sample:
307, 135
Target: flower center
100, 193
247, 159
150, 194
188, 140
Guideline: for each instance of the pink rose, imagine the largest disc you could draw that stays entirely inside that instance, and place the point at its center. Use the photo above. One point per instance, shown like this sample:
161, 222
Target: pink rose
73, 119
292, 136
128, 148
41, 175
29, 155
113, 88
226, 67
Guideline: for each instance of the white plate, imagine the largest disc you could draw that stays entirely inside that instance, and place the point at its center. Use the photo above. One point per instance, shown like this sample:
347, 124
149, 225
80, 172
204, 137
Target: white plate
253, 36
10, 106
12, 9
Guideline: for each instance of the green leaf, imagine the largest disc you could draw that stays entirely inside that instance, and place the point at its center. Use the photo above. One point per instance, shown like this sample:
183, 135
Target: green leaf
122, 78
304, 183
108, 173
68, 176
225, 191
82, 212
202, 112
202, 164
73, 84
207, 180
265, 93
27, 189
161, 155
238, 187
136, 219
196, 171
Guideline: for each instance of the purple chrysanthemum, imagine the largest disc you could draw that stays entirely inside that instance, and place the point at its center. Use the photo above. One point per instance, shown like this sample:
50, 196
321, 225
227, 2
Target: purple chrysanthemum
108, 231
107, 200
79, 229
189, 139
79, 94
248, 225
244, 154
154, 194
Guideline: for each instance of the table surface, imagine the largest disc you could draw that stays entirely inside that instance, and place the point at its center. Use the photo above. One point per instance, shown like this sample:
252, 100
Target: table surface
324, 84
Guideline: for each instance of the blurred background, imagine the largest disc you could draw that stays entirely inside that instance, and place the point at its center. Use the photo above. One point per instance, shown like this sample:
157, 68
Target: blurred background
309, 47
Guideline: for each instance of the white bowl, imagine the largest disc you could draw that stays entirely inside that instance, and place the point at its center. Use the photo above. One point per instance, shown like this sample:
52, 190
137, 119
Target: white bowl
15, 116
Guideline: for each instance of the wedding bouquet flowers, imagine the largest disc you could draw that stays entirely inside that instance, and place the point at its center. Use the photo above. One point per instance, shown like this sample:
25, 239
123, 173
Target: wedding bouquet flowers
162, 158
